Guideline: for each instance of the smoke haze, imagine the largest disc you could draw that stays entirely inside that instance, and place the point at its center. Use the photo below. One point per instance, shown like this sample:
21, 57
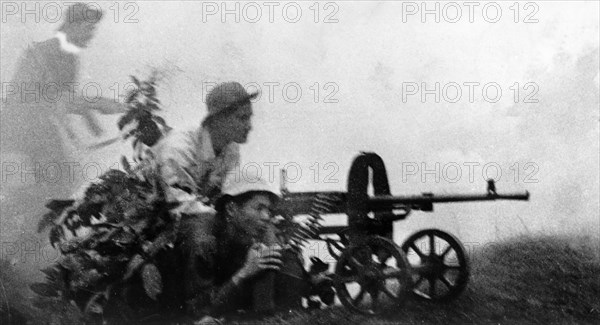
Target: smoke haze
367, 57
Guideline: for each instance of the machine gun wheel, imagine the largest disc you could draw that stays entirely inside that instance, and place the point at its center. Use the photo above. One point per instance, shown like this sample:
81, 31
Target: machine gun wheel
440, 265
376, 268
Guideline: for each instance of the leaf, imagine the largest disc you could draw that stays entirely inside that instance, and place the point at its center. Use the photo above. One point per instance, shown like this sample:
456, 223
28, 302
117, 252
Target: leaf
44, 289
135, 81
152, 280
104, 227
123, 237
159, 120
126, 165
56, 234
163, 240
72, 222
59, 206
52, 273
96, 304
124, 120
55, 277
148, 90
150, 106
114, 176
150, 133
133, 265
166, 129
130, 117
47, 220
107, 235
70, 246
139, 226
87, 278
131, 96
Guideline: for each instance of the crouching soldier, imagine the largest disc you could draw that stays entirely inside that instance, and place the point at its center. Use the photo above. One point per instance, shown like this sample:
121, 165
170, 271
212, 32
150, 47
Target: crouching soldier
241, 264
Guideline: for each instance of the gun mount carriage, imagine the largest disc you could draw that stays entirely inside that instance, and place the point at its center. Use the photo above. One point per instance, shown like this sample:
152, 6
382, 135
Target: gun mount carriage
368, 260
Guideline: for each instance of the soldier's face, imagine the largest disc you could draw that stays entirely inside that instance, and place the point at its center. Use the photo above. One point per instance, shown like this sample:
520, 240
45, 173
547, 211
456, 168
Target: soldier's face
239, 123
255, 215
82, 33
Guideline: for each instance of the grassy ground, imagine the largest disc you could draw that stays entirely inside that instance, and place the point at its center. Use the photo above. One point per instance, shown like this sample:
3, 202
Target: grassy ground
522, 281
525, 280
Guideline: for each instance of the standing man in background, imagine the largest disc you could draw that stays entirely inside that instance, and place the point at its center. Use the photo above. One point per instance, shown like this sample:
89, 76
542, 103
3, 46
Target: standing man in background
35, 119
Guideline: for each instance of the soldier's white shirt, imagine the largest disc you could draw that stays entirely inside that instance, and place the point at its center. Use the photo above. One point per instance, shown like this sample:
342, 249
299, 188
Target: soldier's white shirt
187, 160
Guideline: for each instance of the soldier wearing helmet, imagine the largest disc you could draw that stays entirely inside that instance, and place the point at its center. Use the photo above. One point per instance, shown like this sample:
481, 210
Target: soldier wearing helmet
229, 251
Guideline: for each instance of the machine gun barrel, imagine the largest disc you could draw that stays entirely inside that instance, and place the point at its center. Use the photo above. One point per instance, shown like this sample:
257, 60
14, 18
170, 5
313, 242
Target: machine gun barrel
302, 202
425, 201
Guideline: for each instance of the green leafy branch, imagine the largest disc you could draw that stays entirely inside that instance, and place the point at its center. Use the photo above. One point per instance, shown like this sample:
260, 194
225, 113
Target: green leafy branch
119, 226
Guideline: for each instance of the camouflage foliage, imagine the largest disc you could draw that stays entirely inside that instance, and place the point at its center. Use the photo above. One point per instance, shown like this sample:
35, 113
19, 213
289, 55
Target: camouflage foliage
115, 231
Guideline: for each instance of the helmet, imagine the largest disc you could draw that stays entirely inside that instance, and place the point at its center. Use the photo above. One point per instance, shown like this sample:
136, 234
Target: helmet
237, 184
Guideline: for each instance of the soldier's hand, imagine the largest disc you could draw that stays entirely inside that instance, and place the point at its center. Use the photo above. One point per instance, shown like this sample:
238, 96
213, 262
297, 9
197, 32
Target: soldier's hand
259, 258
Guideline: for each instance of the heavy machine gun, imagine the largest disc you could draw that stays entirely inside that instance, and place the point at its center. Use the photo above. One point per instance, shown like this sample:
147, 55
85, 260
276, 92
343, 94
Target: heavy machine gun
368, 261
